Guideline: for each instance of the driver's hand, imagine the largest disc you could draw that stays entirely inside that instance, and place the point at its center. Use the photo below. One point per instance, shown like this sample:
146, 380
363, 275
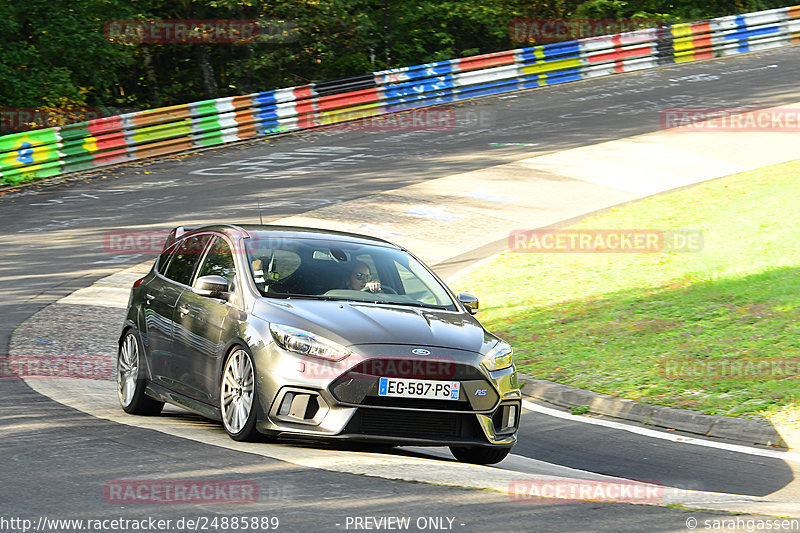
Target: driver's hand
373, 286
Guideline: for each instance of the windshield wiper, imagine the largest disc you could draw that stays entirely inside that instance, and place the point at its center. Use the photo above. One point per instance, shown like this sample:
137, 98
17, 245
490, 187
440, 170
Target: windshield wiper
406, 304
290, 296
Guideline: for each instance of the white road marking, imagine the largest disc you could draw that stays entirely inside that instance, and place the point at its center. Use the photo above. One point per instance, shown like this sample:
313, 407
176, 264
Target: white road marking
783, 456
98, 398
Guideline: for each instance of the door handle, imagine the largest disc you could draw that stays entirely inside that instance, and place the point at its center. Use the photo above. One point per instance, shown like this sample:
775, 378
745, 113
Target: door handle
184, 310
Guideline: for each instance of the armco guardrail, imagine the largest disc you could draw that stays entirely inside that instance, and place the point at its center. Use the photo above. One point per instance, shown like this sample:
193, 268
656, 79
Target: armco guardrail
48, 152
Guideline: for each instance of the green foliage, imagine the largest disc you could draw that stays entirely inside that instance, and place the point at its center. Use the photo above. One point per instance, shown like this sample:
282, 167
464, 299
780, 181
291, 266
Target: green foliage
670, 11
435, 31
602, 9
54, 52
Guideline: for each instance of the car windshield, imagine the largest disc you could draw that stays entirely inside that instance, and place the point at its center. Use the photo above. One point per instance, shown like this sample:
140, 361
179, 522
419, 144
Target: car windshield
335, 270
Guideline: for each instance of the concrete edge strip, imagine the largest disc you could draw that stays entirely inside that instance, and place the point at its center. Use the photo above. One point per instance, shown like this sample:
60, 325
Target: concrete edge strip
791, 457
521, 487
747, 432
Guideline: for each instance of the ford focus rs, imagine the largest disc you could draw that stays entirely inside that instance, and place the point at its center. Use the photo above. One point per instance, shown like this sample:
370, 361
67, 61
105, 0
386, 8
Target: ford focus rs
289, 331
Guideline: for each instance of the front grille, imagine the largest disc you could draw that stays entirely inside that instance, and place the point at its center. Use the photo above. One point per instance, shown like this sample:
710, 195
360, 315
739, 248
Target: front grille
359, 385
414, 425
414, 368
396, 423
417, 403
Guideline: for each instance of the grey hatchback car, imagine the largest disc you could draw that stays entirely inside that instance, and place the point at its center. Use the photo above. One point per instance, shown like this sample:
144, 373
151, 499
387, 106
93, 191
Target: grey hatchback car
288, 331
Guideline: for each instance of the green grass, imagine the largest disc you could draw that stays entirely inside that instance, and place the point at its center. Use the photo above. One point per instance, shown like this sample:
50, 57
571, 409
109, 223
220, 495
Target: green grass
608, 322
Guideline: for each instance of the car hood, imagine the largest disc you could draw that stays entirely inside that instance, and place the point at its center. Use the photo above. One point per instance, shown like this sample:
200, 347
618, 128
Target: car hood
354, 323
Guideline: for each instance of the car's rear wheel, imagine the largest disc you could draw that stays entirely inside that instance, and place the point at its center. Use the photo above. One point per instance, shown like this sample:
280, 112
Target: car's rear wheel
130, 378
238, 396
479, 455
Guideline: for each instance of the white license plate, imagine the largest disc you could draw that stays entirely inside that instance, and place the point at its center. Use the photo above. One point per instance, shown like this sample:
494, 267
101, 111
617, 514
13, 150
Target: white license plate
419, 388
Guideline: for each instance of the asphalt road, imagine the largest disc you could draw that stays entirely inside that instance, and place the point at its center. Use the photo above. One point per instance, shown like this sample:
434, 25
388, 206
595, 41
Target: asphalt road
59, 471
58, 459
607, 451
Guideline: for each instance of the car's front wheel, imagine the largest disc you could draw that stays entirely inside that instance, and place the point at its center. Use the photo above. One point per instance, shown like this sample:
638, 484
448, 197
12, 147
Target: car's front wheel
238, 396
479, 455
130, 378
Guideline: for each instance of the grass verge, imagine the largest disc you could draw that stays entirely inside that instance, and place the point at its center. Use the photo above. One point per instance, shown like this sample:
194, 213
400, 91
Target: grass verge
615, 322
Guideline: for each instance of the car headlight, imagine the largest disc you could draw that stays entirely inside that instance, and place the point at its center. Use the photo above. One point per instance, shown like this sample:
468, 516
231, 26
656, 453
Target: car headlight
306, 343
499, 357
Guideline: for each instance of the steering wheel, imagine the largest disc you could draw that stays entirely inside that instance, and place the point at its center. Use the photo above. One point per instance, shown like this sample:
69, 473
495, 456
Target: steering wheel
384, 288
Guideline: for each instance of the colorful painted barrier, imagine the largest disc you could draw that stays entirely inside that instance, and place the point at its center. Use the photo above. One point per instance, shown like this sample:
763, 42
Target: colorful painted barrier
36, 154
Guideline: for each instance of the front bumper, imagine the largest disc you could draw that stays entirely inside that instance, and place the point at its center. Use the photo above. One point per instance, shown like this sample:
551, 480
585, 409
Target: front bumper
304, 397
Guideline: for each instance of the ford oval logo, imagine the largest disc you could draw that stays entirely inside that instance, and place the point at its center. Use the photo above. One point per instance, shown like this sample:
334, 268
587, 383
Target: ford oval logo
420, 351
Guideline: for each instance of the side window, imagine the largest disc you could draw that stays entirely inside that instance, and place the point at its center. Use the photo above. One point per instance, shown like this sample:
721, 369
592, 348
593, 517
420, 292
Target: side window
413, 277
272, 267
163, 260
218, 261
186, 256
411, 284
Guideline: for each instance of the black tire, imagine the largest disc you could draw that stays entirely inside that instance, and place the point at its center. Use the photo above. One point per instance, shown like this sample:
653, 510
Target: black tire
479, 455
238, 397
131, 382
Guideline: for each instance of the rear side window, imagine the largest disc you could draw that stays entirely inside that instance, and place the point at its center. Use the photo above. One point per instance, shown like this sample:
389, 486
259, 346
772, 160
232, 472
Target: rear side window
163, 260
183, 263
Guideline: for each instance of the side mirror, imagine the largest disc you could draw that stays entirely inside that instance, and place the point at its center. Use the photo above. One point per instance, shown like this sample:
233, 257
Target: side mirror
470, 302
211, 286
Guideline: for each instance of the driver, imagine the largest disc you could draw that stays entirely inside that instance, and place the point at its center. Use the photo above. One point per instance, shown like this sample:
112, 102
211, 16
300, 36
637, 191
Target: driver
360, 279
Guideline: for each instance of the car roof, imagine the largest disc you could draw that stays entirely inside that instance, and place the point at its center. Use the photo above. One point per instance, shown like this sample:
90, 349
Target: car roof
286, 232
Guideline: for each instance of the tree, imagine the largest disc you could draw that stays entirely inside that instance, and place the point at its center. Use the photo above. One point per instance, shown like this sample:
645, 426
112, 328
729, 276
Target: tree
52, 52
